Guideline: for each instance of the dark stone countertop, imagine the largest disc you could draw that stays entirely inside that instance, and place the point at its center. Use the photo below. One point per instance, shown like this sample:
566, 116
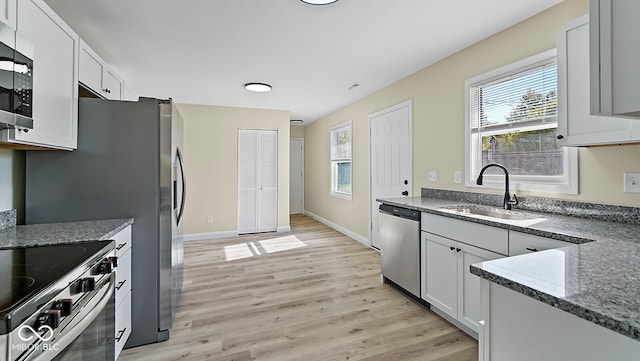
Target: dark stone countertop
597, 279
59, 233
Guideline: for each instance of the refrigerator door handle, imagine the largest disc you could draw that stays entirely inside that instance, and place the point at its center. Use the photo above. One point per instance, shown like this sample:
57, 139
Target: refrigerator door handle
180, 162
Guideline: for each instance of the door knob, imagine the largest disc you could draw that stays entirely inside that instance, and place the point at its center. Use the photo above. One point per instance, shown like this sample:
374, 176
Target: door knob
405, 193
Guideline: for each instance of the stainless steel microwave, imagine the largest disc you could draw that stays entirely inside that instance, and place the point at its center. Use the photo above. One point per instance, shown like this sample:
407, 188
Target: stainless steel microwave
16, 80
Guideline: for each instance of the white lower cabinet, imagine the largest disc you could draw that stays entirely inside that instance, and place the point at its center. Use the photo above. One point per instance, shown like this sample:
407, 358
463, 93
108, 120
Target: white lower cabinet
522, 243
518, 327
450, 287
123, 289
123, 323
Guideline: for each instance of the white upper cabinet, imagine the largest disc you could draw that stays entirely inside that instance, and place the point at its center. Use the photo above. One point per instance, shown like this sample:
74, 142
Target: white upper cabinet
8, 12
576, 126
55, 78
97, 76
614, 53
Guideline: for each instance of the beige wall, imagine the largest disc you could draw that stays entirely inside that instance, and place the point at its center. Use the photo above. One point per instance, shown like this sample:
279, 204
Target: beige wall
210, 152
438, 124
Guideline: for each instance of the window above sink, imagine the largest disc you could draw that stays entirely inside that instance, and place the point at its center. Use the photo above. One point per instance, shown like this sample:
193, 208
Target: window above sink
512, 119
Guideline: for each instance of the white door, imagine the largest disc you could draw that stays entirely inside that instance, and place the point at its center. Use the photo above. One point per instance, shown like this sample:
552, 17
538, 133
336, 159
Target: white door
391, 144
257, 181
296, 176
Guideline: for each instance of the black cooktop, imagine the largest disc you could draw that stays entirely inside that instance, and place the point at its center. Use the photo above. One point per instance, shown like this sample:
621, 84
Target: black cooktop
27, 273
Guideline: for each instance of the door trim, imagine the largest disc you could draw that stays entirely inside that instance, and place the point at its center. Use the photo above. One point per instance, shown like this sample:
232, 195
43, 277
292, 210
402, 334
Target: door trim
405, 104
301, 140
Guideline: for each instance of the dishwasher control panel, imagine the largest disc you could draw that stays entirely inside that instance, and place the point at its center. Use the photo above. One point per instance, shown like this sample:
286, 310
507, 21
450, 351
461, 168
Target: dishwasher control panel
400, 212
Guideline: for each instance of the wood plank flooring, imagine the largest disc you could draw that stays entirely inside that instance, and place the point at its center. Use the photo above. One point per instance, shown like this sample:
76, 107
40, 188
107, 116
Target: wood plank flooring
311, 294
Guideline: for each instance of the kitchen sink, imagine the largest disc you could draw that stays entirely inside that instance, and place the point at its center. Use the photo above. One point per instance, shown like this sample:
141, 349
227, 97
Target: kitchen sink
497, 214
489, 212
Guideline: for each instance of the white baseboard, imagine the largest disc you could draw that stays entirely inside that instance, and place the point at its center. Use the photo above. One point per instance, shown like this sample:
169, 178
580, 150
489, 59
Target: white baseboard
339, 228
209, 235
223, 234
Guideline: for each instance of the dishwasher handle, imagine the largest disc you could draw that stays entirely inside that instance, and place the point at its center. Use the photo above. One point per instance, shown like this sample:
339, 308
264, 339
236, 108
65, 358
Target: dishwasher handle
399, 212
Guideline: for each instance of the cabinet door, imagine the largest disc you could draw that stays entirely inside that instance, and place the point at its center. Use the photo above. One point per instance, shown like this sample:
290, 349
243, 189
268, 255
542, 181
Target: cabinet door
123, 277
469, 312
441, 273
90, 69
123, 324
521, 243
112, 85
614, 52
55, 77
8, 13
576, 126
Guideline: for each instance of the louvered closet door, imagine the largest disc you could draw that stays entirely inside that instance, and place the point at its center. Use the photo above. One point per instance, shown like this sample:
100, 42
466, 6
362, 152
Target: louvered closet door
257, 180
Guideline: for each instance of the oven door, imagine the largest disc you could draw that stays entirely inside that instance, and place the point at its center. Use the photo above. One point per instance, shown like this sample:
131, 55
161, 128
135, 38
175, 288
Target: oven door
96, 341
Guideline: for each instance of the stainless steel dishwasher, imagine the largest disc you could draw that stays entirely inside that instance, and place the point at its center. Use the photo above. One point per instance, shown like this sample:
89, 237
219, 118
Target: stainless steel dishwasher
399, 230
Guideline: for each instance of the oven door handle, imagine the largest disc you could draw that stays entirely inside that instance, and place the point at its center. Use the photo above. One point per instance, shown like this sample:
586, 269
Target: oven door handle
72, 334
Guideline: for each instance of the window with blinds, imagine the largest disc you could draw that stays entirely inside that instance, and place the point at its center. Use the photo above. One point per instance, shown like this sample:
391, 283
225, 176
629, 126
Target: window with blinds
341, 161
513, 119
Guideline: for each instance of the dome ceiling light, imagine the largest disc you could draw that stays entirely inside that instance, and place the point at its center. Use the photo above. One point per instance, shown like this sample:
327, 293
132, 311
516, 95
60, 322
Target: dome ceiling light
319, 2
258, 87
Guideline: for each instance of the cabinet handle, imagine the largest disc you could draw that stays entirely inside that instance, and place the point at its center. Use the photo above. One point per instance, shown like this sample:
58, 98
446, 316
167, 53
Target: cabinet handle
532, 249
120, 246
120, 334
452, 248
458, 250
120, 284
560, 137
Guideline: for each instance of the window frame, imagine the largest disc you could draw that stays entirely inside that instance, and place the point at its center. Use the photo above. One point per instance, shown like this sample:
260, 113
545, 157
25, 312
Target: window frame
567, 184
333, 162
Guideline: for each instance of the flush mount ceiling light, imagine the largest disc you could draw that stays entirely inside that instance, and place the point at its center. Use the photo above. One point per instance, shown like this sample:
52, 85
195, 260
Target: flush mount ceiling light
319, 2
296, 121
258, 87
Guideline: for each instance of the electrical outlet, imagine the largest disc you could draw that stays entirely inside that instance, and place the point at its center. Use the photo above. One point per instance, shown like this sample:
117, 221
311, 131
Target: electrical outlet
457, 177
631, 182
209, 219
433, 176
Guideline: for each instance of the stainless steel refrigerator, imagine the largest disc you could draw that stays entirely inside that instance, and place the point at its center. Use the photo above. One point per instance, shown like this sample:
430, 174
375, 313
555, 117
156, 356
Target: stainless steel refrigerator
128, 164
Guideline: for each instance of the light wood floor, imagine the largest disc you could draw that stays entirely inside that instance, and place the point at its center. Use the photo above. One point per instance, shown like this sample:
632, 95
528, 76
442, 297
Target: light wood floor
320, 300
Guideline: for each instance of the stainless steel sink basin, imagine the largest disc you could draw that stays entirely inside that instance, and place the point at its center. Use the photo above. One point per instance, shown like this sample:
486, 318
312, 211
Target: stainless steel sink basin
488, 212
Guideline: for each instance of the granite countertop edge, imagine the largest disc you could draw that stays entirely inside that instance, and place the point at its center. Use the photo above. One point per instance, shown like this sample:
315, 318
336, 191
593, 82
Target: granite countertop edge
571, 229
588, 314
47, 234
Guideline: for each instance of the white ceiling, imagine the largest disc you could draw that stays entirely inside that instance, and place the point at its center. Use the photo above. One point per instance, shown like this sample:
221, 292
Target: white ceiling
203, 51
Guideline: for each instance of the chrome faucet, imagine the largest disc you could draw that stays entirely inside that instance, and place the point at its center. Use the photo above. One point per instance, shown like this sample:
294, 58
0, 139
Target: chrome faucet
507, 202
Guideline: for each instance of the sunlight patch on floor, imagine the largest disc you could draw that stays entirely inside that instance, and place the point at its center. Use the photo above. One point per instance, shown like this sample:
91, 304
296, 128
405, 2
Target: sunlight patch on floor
251, 249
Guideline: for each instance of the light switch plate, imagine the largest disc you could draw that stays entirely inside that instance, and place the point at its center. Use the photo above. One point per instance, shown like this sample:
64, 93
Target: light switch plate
433, 176
631, 182
457, 177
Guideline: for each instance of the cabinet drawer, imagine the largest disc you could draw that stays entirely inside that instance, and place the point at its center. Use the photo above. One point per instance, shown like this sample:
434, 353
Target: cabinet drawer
123, 323
123, 276
521, 243
123, 241
479, 235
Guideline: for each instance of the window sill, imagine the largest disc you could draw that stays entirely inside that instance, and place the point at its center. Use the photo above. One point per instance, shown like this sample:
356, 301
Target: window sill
346, 197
